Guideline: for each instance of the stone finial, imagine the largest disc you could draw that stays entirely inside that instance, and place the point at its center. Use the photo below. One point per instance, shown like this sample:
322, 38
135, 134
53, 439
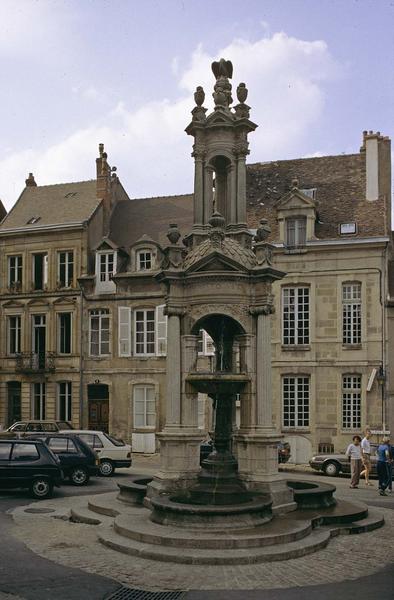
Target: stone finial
295, 183
199, 96
223, 71
263, 231
173, 233
242, 93
30, 181
217, 220
101, 150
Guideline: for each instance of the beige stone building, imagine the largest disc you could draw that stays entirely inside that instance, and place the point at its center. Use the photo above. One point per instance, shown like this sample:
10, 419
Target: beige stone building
83, 328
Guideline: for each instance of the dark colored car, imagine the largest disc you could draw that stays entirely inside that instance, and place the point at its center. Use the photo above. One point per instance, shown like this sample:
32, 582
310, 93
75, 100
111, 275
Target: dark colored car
29, 464
77, 460
283, 451
334, 464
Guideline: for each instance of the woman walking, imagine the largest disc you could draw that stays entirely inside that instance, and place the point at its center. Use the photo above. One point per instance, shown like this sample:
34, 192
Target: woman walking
383, 465
366, 456
353, 452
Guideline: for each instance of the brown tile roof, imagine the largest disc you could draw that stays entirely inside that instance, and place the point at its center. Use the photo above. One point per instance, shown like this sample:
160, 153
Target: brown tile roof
53, 204
340, 183
152, 216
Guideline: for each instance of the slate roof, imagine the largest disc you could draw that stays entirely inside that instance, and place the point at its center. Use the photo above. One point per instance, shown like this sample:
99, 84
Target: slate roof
229, 248
340, 183
54, 204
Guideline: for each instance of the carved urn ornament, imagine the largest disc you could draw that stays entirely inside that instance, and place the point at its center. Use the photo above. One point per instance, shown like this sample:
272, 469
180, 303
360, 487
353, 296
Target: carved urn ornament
242, 93
199, 96
263, 231
173, 233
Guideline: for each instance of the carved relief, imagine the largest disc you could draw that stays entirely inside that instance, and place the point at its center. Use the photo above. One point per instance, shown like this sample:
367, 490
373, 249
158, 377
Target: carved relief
239, 312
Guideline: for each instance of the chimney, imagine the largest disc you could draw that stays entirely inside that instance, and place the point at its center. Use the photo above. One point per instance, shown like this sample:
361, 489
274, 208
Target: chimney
30, 181
377, 151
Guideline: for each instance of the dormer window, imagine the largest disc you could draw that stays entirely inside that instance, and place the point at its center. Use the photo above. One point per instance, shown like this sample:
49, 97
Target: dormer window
295, 232
106, 266
310, 192
144, 260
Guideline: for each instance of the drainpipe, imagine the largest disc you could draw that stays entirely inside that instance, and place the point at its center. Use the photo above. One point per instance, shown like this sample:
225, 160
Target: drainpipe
81, 424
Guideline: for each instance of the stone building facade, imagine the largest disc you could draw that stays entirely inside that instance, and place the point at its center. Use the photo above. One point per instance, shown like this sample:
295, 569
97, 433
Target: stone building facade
83, 332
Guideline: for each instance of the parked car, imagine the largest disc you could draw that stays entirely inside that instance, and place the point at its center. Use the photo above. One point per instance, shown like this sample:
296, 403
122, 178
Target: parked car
20, 428
29, 464
334, 464
78, 461
113, 453
283, 451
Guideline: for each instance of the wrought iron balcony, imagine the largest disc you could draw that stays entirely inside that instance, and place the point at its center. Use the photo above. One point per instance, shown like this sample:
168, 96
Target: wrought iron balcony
35, 362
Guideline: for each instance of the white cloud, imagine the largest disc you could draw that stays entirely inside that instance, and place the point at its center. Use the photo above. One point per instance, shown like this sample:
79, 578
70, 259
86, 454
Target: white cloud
285, 76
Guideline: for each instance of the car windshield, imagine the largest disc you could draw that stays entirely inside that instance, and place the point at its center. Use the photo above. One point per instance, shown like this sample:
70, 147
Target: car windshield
64, 425
114, 441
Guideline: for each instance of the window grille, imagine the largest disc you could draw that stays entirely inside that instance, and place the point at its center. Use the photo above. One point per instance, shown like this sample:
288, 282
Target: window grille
351, 401
295, 232
65, 268
145, 332
295, 392
351, 313
295, 315
99, 332
144, 406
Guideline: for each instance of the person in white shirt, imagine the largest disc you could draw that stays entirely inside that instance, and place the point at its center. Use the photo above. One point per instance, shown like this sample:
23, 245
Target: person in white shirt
366, 456
353, 452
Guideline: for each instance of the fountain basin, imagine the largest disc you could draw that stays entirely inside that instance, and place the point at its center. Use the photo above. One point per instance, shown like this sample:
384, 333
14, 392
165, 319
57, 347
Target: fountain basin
178, 512
313, 495
218, 383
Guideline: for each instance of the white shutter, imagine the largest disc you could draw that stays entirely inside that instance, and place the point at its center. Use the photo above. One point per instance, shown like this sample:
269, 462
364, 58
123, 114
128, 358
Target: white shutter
161, 331
45, 277
124, 330
209, 347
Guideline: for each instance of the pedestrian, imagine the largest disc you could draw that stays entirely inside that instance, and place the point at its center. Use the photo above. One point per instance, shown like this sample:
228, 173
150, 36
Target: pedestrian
353, 452
390, 469
383, 465
366, 456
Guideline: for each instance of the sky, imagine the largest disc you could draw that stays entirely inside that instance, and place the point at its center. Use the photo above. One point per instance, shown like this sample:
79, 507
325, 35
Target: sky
123, 72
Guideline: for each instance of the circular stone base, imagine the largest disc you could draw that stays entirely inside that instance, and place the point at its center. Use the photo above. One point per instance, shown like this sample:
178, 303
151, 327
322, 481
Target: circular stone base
169, 511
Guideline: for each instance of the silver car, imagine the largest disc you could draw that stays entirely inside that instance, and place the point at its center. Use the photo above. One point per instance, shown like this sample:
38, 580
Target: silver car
334, 464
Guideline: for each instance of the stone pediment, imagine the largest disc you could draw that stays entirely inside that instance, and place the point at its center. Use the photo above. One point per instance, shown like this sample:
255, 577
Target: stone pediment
13, 304
64, 300
220, 117
38, 302
295, 199
222, 255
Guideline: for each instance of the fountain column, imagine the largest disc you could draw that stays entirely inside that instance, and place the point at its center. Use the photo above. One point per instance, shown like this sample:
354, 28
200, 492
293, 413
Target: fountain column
263, 369
173, 368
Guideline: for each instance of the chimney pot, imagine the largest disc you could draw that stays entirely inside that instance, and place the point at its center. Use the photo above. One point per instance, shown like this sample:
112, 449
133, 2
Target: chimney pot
30, 181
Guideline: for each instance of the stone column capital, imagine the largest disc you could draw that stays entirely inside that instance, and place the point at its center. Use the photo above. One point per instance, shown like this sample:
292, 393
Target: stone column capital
264, 309
174, 311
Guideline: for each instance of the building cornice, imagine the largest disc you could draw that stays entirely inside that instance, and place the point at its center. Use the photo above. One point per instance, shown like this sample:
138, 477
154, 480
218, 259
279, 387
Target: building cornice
340, 242
54, 227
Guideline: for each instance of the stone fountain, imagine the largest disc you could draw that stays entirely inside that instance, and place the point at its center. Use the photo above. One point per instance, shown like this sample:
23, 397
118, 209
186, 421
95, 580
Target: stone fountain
221, 280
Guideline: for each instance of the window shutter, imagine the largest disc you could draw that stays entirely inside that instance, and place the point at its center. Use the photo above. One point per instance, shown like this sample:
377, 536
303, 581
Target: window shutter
161, 331
124, 330
45, 269
209, 347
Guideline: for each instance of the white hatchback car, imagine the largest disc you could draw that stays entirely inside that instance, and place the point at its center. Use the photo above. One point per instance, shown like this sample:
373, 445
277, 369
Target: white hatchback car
112, 453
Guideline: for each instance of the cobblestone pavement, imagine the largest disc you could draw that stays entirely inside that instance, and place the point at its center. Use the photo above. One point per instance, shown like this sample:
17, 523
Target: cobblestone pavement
76, 545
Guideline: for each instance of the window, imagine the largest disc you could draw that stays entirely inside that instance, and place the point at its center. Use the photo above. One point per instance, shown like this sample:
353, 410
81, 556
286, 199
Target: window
205, 344
93, 441
295, 401
14, 270
5, 450
99, 332
25, 452
64, 333
295, 306
65, 269
351, 401
106, 265
124, 330
144, 260
33, 220
62, 445
145, 332
144, 406
64, 401
296, 232
38, 401
351, 313
161, 331
40, 271
310, 192
14, 334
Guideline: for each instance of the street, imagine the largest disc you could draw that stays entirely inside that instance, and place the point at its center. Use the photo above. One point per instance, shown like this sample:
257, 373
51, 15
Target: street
25, 575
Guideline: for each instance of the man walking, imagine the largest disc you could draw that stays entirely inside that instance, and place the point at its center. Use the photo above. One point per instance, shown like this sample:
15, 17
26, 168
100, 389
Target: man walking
366, 456
353, 452
383, 464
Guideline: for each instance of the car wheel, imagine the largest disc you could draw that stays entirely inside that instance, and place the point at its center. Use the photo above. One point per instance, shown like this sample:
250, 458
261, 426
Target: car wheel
106, 468
79, 476
331, 469
41, 488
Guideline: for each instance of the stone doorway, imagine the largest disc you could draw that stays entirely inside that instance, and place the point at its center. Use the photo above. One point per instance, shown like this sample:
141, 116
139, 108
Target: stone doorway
98, 402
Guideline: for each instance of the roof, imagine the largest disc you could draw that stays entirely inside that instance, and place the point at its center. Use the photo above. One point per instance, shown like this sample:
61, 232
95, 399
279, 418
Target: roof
131, 219
229, 247
340, 196
53, 204
340, 183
